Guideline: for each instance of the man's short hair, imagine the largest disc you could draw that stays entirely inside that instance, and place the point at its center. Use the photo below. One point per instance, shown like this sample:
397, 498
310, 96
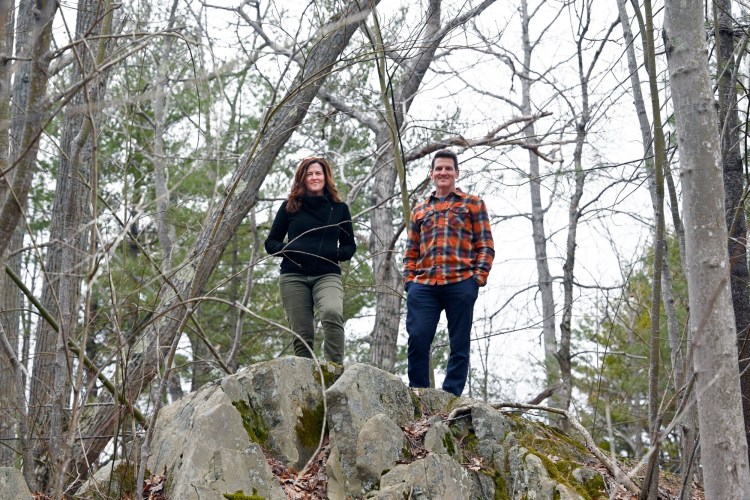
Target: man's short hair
445, 153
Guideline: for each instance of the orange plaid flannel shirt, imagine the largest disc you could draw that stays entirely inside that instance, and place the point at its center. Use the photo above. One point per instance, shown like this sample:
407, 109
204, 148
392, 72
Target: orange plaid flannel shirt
449, 241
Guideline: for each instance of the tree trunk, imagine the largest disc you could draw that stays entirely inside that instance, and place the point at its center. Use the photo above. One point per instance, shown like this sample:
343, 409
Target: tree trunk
722, 433
734, 190
11, 304
562, 399
651, 480
676, 342
30, 87
164, 228
389, 286
173, 308
10, 300
33, 36
68, 262
544, 278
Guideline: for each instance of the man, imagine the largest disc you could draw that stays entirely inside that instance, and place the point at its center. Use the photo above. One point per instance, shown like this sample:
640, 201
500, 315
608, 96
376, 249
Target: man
448, 256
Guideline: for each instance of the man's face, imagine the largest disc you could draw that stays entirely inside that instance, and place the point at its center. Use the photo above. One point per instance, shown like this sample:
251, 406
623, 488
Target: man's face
444, 174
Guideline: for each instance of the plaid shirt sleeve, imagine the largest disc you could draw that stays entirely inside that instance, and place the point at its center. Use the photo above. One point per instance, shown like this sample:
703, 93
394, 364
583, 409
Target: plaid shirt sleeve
411, 254
482, 243
449, 241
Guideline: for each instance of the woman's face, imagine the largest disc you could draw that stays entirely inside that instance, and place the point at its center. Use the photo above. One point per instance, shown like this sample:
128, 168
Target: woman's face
315, 179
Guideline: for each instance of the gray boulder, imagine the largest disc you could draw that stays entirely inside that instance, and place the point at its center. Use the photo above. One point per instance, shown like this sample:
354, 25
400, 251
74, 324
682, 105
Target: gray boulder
113, 480
379, 445
361, 392
439, 438
284, 399
202, 444
432, 477
13, 485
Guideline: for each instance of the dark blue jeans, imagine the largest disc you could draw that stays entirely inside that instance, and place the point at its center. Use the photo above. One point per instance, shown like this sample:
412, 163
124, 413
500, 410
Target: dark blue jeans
424, 303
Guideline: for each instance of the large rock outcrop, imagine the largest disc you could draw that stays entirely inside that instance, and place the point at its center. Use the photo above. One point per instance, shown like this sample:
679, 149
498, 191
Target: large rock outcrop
382, 441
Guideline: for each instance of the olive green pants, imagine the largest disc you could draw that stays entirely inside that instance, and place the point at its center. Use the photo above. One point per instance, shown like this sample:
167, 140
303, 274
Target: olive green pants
302, 297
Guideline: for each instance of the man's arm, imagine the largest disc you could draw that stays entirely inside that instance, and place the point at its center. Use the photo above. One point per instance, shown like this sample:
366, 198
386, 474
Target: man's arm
411, 254
483, 244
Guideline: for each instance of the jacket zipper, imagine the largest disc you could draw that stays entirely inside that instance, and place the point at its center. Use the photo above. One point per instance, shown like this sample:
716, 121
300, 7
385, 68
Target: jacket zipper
325, 230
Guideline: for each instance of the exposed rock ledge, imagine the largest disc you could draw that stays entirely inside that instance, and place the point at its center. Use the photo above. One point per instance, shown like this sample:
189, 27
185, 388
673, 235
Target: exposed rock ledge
383, 441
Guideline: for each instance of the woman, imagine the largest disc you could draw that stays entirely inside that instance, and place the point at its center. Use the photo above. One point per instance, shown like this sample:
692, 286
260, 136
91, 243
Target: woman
320, 235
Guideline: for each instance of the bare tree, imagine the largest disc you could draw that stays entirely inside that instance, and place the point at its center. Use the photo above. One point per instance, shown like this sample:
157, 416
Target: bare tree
69, 260
10, 301
676, 340
723, 444
651, 481
544, 277
575, 208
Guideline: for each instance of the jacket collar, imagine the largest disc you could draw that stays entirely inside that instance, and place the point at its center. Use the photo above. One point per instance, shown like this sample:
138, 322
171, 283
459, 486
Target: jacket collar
455, 192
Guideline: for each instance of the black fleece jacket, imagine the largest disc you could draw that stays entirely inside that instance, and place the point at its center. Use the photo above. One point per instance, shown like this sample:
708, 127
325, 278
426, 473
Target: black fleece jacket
320, 236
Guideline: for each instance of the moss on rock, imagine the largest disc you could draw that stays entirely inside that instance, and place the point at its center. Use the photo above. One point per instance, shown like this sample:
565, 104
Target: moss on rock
449, 444
417, 402
331, 373
501, 488
252, 422
240, 495
120, 483
310, 425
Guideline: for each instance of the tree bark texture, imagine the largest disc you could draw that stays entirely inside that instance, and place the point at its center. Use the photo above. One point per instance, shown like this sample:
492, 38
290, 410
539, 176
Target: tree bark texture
30, 87
722, 432
68, 259
21, 138
734, 191
10, 300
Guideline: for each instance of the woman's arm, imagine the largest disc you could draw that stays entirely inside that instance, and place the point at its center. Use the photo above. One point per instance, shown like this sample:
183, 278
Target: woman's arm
275, 241
347, 243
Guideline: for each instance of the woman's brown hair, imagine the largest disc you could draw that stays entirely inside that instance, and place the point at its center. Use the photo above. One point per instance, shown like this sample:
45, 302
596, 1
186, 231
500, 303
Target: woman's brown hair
294, 201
